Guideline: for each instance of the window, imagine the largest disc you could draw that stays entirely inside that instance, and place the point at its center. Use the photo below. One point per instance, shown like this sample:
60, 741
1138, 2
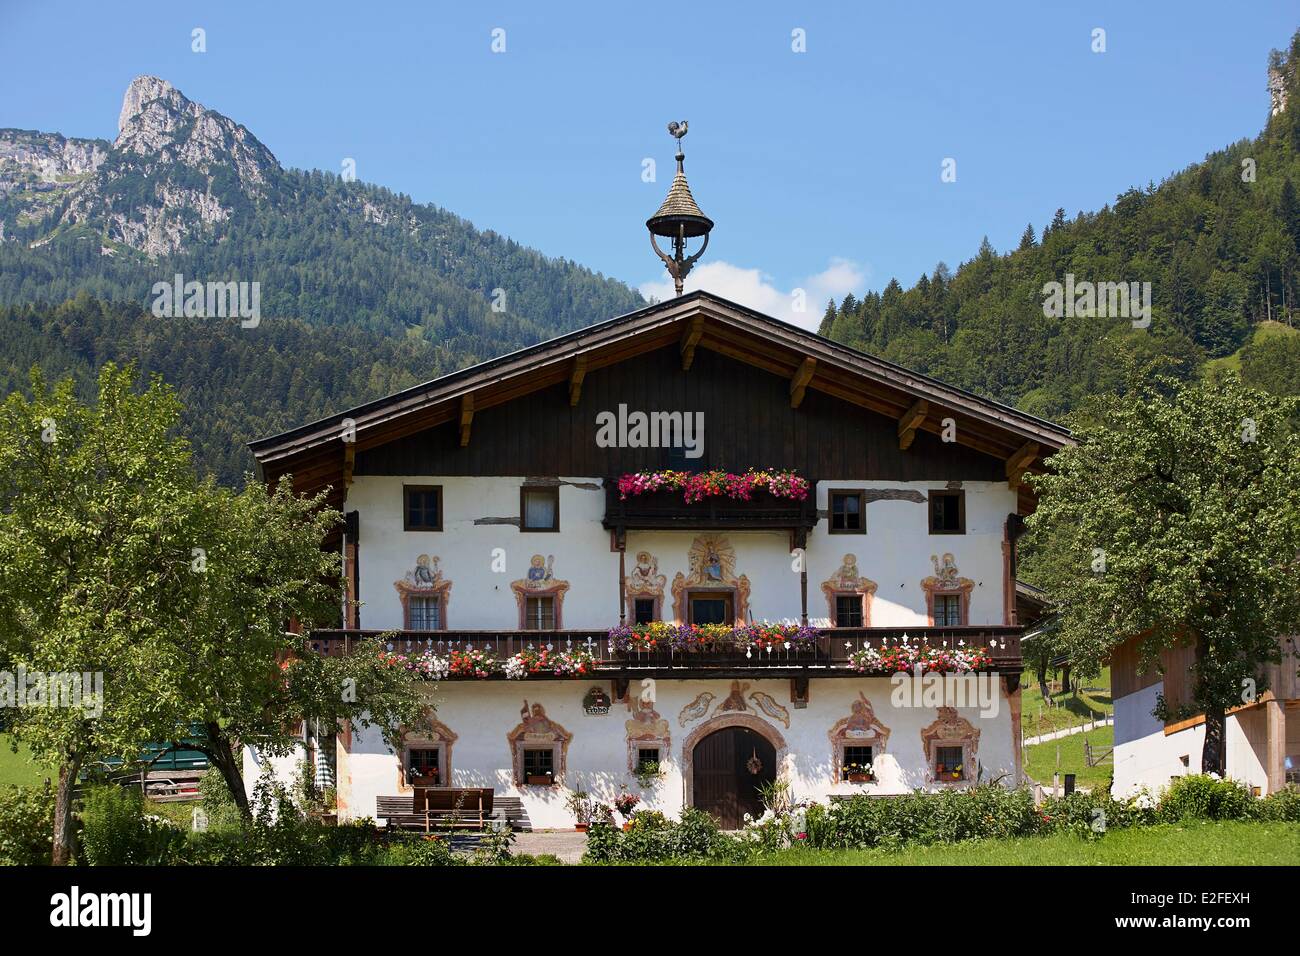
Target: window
539, 509
645, 755
643, 610
848, 610
847, 512
423, 508
856, 761
425, 614
539, 764
423, 763
539, 613
947, 610
947, 512
949, 763
710, 609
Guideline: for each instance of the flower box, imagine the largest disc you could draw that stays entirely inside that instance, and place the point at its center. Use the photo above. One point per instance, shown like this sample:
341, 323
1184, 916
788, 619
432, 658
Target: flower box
540, 780
860, 777
581, 827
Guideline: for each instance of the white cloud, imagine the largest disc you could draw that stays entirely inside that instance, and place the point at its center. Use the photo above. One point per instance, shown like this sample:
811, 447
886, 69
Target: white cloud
754, 288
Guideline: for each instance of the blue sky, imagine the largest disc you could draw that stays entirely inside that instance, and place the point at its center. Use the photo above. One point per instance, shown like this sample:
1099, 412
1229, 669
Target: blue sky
821, 168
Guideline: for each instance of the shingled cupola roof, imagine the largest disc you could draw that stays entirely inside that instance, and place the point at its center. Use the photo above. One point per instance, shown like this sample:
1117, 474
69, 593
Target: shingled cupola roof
679, 206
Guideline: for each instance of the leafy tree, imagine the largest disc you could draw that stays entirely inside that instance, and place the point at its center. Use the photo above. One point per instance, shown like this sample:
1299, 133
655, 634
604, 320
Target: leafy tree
237, 675
95, 552
1182, 511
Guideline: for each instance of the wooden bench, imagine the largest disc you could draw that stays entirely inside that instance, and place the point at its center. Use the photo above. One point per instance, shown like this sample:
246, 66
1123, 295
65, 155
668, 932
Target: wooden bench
438, 808
400, 812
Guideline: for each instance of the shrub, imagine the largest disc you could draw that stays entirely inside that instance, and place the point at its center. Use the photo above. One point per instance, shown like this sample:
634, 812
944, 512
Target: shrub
419, 851
1203, 797
1090, 815
216, 800
115, 831
950, 816
653, 838
1282, 806
26, 826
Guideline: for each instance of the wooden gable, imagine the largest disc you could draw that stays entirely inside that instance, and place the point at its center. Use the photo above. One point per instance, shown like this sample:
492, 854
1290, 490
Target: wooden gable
775, 394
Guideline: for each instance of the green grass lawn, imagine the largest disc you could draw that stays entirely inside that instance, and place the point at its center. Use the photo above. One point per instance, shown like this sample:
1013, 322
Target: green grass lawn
1186, 844
1041, 759
1062, 710
18, 768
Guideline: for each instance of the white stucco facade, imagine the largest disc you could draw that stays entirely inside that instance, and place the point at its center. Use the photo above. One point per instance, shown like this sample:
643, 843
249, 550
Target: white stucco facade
483, 714
480, 552
481, 557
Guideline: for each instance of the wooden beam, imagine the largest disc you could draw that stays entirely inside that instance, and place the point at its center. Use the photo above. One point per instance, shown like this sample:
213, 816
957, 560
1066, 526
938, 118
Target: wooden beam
575, 379
466, 417
911, 421
799, 383
349, 460
1018, 463
690, 339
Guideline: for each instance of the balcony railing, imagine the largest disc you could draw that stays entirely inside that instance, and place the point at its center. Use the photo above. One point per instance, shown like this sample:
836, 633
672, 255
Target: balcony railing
668, 509
828, 656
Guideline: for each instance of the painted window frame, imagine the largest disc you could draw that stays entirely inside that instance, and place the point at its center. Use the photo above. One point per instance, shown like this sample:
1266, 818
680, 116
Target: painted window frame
866, 743
935, 747
863, 608
726, 595
528, 618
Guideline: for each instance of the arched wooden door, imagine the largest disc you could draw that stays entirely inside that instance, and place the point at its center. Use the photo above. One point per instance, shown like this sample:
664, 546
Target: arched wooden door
729, 766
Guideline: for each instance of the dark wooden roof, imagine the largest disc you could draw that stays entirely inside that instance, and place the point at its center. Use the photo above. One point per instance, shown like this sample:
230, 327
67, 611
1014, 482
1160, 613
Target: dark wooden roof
318, 458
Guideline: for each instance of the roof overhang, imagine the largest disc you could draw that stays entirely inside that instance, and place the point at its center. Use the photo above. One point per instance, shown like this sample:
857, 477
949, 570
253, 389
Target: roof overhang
318, 456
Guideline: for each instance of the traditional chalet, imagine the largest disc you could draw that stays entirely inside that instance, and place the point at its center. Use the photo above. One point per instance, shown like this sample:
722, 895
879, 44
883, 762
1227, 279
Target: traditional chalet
511, 530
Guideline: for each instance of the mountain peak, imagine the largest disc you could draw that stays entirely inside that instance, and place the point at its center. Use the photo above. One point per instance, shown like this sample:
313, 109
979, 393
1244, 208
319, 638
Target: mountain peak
142, 90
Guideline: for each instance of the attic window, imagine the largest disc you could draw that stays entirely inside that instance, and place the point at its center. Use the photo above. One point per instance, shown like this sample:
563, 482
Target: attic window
422, 508
846, 512
947, 512
539, 508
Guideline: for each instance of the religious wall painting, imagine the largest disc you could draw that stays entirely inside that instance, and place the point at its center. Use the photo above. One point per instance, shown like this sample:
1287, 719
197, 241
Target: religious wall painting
645, 583
539, 748
539, 595
857, 741
424, 593
734, 702
946, 583
712, 563
848, 582
950, 744
647, 731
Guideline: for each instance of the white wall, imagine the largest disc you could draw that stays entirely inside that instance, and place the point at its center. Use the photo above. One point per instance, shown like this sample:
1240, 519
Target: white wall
1145, 757
895, 553
483, 713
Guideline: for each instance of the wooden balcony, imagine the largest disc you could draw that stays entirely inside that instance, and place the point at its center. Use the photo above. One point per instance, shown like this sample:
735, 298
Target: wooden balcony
663, 510
828, 656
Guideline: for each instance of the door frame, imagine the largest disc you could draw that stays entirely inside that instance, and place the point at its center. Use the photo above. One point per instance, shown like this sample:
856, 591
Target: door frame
722, 722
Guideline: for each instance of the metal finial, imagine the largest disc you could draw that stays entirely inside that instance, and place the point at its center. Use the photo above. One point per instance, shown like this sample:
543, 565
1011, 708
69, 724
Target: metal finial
679, 218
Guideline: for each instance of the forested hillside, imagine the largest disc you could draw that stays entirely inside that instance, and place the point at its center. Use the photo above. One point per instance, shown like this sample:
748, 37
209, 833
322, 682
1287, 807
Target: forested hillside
236, 384
1218, 243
